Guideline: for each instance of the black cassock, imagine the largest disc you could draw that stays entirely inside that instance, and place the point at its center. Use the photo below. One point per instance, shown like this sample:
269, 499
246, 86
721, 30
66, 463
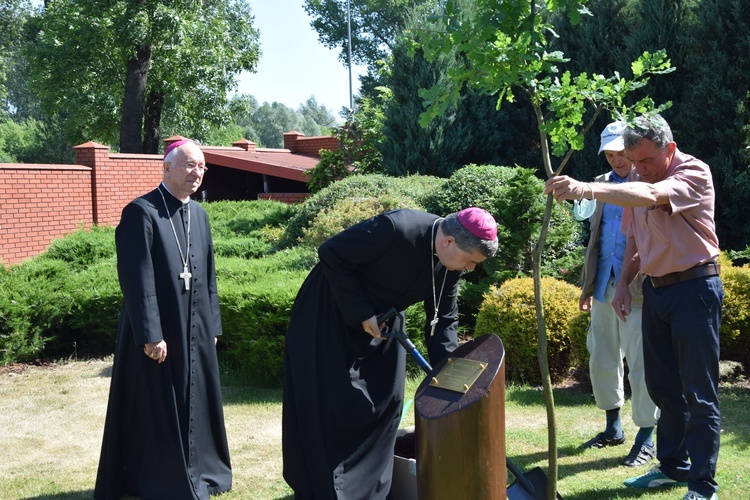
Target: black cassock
343, 389
164, 435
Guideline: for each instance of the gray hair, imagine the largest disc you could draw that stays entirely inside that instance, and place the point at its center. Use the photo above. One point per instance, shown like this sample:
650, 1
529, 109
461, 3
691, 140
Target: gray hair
654, 128
466, 241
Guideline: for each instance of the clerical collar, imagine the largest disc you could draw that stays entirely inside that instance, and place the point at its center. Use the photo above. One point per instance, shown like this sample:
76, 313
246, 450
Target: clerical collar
173, 196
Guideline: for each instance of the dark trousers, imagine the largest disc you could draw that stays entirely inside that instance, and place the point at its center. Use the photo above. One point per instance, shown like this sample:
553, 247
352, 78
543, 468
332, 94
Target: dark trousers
681, 358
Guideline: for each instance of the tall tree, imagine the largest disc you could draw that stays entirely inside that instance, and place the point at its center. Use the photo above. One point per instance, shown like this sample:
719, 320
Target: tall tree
713, 116
13, 17
318, 113
115, 68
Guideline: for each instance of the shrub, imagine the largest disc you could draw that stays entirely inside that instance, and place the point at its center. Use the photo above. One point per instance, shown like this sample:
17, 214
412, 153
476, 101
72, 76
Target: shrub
256, 298
92, 324
356, 186
247, 229
83, 247
34, 300
515, 198
348, 212
735, 323
510, 313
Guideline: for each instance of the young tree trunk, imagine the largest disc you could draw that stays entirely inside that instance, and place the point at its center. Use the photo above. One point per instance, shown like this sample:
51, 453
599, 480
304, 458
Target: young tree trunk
133, 101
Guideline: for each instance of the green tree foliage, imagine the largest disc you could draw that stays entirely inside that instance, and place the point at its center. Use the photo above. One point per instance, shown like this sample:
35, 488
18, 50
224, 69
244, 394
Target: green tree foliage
272, 121
116, 68
13, 14
471, 130
265, 125
374, 26
319, 114
357, 153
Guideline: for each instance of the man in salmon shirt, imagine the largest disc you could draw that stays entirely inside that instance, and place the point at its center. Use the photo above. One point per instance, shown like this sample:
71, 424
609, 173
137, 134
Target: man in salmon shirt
671, 239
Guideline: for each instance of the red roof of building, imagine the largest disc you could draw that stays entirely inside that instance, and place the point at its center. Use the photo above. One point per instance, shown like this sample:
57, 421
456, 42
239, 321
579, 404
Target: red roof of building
274, 162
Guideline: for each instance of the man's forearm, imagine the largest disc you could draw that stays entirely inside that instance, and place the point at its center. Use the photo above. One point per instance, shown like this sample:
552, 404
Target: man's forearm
628, 194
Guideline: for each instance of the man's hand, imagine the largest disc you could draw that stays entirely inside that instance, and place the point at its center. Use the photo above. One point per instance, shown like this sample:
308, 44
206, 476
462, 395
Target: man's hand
370, 325
621, 302
156, 350
564, 188
584, 303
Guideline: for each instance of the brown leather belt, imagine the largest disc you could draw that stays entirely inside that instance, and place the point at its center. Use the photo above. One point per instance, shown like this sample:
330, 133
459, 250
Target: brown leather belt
699, 271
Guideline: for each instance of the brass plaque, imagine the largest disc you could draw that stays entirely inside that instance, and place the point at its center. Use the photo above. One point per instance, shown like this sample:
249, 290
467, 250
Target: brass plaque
458, 374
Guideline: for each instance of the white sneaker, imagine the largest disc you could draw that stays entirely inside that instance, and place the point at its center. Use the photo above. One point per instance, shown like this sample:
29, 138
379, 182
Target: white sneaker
694, 495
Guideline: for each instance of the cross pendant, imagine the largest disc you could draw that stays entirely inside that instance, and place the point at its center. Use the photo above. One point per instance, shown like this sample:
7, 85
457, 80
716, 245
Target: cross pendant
433, 323
185, 275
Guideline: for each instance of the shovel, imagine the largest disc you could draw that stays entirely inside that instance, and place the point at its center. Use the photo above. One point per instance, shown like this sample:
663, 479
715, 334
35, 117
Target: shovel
529, 486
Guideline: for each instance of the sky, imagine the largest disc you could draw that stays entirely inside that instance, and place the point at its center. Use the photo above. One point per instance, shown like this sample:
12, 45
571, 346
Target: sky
294, 65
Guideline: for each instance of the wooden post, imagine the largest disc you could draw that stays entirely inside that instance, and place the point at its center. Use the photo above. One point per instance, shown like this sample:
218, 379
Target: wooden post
461, 435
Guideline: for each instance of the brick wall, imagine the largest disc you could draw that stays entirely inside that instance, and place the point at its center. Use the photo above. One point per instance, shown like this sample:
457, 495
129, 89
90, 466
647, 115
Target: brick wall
39, 203
297, 143
117, 178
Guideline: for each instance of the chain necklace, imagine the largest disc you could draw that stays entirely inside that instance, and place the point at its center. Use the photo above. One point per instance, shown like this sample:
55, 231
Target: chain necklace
185, 274
435, 299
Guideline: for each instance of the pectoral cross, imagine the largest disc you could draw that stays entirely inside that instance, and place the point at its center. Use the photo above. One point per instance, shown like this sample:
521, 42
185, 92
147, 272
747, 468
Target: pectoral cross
433, 323
185, 275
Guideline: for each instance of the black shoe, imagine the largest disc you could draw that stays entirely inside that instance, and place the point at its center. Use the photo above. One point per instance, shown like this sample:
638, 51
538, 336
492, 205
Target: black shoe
601, 440
640, 454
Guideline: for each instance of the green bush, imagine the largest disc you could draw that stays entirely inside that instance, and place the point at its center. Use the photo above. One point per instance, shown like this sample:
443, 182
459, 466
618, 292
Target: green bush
510, 313
34, 301
256, 298
247, 229
735, 322
92, 324
348, 212
515, 198
357, 187
83, 247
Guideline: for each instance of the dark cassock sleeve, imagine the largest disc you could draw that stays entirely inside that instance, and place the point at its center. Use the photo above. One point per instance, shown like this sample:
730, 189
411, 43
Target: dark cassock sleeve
387, 261
134, 238
213, 294
343, 254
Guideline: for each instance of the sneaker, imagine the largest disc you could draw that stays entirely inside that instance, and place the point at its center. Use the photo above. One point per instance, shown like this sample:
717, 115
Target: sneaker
640, 454
601, 440
694, 495
654, 478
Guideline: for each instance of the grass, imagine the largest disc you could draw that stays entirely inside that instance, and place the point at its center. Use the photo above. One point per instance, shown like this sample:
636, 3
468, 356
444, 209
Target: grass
52, 419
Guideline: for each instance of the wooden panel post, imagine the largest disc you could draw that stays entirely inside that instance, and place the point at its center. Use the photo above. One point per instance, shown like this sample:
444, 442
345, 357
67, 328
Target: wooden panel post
461, 436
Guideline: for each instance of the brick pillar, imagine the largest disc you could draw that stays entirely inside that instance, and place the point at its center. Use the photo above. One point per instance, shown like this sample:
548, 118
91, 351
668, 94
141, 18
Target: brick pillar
290, 140
95, 156
244, 144
174, 138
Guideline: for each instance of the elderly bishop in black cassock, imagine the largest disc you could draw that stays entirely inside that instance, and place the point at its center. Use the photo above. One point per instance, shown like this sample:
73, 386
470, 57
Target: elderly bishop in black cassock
164, 435
343, 383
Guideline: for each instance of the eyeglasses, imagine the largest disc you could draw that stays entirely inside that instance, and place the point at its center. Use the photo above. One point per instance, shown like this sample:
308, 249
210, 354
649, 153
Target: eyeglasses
199, 168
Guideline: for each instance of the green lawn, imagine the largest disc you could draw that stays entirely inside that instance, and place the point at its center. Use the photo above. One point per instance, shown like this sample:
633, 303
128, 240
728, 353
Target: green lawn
52, 419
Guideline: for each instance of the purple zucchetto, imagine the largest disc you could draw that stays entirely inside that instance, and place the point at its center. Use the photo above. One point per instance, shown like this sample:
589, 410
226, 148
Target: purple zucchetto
175, 144
478, 222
